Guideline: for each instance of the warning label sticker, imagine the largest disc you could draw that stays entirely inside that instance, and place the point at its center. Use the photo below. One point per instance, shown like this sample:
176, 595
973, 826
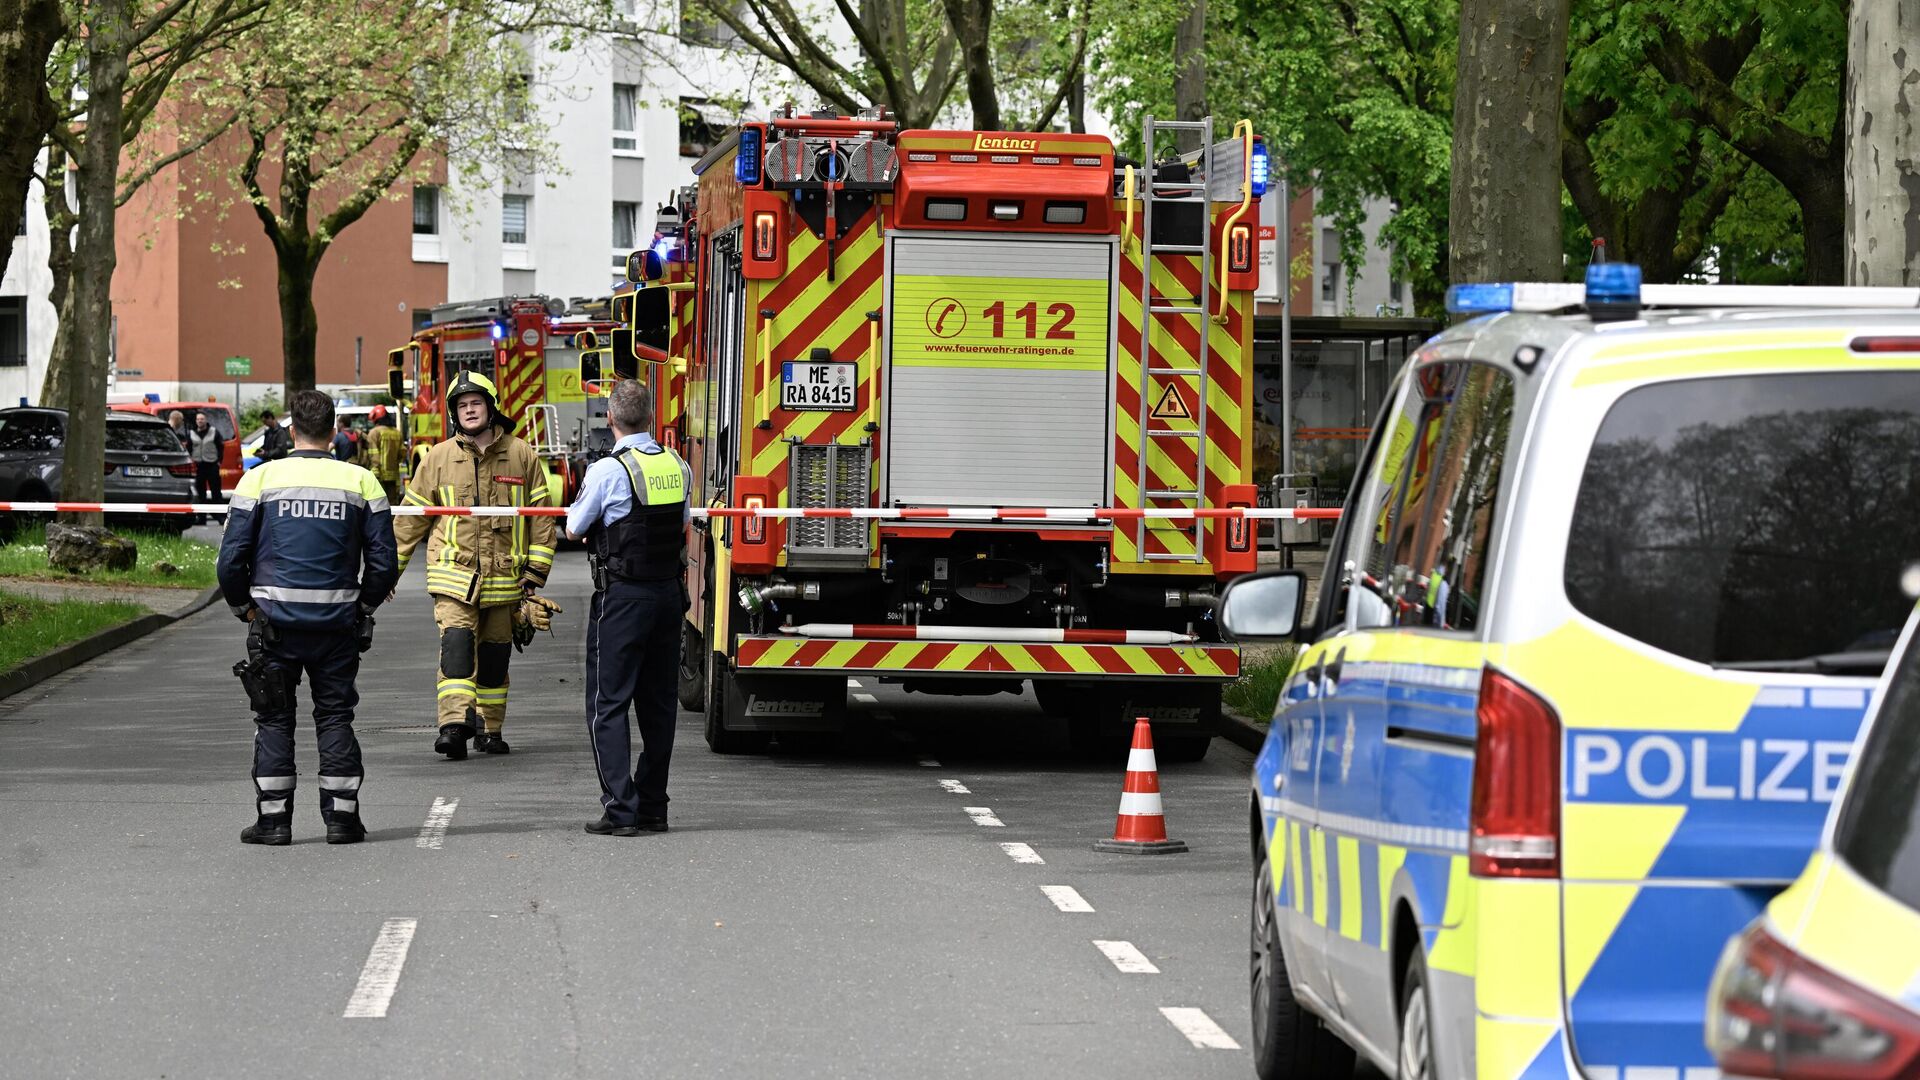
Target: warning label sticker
1171, 405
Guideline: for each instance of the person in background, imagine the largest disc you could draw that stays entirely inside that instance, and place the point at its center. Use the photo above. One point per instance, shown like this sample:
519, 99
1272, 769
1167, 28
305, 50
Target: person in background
345, 445
204, 446
177, 420
384, 449
275, 443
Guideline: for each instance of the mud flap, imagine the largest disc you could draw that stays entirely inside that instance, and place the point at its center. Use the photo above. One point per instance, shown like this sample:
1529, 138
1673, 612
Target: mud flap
786, 703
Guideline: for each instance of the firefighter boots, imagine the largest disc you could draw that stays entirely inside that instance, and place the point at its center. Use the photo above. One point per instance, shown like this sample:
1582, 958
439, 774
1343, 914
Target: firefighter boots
487, 743
276, 833
453, 737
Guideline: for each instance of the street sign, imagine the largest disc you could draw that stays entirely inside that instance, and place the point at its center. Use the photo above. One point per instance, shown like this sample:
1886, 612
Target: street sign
239, 365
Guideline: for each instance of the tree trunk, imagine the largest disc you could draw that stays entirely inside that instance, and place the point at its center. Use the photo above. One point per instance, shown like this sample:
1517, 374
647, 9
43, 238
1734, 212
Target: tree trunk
1190, 52
299, 321
108, 42
972, 22
28, 30
1883, 145
1505, 203
60, 222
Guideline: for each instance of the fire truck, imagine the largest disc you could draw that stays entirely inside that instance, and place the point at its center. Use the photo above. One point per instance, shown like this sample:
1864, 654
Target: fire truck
941, 323
530, 346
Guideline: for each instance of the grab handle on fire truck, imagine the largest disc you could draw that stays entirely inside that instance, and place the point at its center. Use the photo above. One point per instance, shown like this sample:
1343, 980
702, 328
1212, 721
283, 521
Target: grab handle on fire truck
766, 368
873, 369
1128, 190
1243, 131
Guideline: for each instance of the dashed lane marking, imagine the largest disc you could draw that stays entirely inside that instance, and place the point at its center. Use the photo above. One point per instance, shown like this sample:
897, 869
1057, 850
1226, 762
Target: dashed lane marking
928, 763
1023, 853
1199, 1028
434, 832
865, 699
983, 815
1129, 960
853, 684
1066, 898
956, 787
381, 975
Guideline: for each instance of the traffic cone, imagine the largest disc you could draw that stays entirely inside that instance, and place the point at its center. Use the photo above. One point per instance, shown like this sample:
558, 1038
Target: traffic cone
1141, 828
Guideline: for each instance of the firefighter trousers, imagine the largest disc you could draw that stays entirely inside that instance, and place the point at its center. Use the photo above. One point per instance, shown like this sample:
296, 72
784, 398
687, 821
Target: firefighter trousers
330, 662
475, 645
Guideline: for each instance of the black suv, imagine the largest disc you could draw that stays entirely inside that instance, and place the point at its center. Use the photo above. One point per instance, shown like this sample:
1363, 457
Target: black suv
144, 462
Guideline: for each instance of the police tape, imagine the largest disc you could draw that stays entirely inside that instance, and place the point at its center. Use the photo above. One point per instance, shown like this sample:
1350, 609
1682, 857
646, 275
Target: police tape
905, 513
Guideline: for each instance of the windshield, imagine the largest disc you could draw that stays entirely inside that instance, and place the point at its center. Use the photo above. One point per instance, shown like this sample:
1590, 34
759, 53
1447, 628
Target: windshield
151, 438
1878, 832
1758, 522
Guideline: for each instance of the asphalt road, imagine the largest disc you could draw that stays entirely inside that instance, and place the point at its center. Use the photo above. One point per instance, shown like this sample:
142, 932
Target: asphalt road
838, 912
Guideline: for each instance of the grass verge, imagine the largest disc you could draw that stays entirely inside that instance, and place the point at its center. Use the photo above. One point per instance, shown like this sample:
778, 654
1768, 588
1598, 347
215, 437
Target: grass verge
1254, 694
37, 627
26, 558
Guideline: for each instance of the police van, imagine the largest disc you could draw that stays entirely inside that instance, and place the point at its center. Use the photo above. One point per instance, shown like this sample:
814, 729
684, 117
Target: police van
1597, 631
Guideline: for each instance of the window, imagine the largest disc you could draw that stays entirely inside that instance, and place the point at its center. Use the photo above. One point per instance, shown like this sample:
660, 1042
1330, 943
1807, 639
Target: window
149, 437
626, 119
13, 331
1758, 522
1330, 265
699, 26
513, 218
626, 227
702, 125
1878, 832
32, 433
426, 211
1440, 471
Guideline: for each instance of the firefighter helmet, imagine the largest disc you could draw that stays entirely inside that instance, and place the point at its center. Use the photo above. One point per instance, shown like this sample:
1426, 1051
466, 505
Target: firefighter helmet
378, 414
472, 382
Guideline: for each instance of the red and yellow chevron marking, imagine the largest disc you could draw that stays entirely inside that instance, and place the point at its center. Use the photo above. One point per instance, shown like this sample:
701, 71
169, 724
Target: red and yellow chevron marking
1172, 462
1212, 663
812, 312
522, 383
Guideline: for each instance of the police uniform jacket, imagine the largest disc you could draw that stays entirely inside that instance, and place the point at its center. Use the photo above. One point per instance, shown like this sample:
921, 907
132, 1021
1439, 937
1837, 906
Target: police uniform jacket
479, 560
308, 541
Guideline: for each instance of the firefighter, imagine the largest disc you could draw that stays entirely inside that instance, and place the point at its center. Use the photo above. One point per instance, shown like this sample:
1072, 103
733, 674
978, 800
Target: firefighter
307, 555
384, 449
632, 512
480, 570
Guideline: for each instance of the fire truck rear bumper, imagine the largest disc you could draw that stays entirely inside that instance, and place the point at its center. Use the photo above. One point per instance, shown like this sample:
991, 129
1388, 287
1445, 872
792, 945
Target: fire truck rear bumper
1205, 662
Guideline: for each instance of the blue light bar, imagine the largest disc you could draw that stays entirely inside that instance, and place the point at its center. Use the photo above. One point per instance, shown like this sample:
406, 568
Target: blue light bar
499, 331
746, 167
1479, 299
1260, 172
1613, 283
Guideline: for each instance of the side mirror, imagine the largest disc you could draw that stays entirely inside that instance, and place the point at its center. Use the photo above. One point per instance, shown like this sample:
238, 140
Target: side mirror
586, 340
589, 363
397, 384
1264, 606
625, 364
645, 265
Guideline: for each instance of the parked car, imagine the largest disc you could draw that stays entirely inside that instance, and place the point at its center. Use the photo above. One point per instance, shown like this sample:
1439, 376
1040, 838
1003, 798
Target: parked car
144, 463
360, 415
219, 414
1827, 981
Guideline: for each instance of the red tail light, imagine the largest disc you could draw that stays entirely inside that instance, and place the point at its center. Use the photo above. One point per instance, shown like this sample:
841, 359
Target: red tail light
182, 470
1885, 344
1774, 1013
1240, 249
1516, 783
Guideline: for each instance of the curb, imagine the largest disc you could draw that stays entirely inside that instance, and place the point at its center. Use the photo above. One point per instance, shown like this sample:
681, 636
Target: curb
41, 668
1241, 730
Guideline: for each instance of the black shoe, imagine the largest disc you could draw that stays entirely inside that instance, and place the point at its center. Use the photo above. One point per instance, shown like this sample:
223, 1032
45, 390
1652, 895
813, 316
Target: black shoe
491, 744
272, 835
606, 827
453, 741
346, 832
650, 823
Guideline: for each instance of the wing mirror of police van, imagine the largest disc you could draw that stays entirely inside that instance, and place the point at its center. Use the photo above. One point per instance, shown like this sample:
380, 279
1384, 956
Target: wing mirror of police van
645, 265
1264, 606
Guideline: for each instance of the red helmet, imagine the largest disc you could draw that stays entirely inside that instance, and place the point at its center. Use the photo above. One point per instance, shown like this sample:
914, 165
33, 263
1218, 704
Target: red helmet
378, 414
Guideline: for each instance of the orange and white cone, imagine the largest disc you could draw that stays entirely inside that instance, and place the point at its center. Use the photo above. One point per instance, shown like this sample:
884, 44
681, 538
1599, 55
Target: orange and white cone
1141, 828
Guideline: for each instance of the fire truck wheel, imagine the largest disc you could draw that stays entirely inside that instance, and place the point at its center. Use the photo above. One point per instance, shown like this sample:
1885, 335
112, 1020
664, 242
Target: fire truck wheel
721, 699
693, 674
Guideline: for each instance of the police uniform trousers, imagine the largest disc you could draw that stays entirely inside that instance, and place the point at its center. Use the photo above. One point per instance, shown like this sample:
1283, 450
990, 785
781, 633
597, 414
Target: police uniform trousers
475, 645
330, 660
633, 660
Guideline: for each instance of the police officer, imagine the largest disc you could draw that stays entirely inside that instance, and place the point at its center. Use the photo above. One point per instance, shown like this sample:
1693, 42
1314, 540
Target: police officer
308, 554
632, 512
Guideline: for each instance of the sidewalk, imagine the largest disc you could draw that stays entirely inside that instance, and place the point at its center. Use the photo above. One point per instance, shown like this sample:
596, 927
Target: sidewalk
163, 601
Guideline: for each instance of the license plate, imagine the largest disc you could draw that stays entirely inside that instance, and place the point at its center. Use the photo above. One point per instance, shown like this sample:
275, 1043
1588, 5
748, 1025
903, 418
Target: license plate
807, 386
145, 470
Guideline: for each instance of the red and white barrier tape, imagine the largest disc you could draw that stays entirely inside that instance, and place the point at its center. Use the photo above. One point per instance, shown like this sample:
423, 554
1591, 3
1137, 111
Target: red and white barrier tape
1023, 634
911, 513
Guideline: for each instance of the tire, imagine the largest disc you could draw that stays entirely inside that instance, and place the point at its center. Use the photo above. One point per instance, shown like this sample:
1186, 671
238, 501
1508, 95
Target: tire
719, 703
1289, 1043
1415, 1054
1183, 748
693, 674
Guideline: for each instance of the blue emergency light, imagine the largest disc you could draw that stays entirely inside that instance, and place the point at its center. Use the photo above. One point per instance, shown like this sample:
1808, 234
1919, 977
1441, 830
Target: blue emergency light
499, 331
1260, 172
1613, 290
746, 167
1480, 298
153, 399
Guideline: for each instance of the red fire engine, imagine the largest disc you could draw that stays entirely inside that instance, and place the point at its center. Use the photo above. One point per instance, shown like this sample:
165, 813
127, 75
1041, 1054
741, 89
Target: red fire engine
930, 321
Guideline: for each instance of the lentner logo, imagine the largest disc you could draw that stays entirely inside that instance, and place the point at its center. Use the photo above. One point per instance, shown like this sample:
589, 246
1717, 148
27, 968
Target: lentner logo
1005, 142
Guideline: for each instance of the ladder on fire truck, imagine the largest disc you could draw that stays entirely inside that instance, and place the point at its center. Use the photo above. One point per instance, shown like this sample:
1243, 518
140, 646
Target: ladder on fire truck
1152, 305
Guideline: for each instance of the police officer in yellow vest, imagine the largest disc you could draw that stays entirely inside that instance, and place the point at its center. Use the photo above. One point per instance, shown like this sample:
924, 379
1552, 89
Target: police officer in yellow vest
479, 569
632, 512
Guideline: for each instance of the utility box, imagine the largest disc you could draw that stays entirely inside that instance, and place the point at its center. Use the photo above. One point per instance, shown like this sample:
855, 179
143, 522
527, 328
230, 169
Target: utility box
1296, 491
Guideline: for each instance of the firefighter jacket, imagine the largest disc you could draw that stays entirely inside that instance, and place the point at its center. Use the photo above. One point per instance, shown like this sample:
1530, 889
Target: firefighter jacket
481, 561
384, 448
309, 541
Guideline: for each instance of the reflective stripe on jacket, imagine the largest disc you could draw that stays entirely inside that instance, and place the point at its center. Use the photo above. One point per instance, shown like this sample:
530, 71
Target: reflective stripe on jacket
384, 449
308, 539
479, 561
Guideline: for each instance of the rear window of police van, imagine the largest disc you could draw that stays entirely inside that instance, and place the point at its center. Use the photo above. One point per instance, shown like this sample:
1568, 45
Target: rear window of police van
1756, 521
1878, 833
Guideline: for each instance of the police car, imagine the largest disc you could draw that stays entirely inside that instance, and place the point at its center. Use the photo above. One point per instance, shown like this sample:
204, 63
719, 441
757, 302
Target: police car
1598, 629
1827, 982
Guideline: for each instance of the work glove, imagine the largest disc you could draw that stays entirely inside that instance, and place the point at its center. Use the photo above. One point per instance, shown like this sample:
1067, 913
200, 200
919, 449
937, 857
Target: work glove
534, 614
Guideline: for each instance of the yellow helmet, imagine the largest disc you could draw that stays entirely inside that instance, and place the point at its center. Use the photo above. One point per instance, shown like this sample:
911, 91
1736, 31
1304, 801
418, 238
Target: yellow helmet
472, 382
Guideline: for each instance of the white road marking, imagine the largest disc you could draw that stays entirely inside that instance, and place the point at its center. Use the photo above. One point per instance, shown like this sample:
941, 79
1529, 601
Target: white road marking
865, 699
434, 832
1129, 960
925, 762
853, 684
382, 974
1022, 853
1199, 1028
1066, 898
955, 787
983, 815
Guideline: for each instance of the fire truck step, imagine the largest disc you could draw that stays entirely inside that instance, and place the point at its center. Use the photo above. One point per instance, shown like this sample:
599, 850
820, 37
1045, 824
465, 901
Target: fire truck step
1167, 493
1179, 249
1175, 309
